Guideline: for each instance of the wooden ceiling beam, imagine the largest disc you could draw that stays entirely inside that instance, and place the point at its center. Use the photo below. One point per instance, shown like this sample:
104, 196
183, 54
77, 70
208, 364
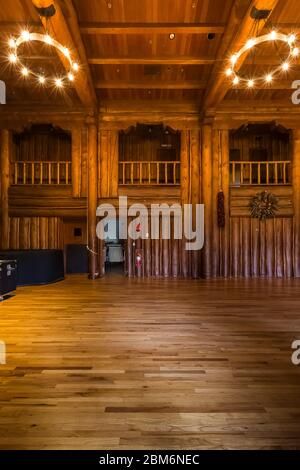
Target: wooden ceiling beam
238, 31
65, 33
150, 28
169, 60
13, 26
151, 85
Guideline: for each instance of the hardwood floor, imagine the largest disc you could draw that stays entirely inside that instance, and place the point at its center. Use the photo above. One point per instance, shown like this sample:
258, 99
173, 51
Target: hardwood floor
124, 364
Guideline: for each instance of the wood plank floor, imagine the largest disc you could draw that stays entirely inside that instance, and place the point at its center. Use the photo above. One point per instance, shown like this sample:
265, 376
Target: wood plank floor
125, 364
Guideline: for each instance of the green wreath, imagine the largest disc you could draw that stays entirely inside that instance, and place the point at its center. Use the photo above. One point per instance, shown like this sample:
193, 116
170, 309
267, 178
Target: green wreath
263, 206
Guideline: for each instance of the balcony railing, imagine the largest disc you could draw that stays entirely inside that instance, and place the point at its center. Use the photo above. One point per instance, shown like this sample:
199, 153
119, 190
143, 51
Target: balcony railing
151, 173
260, 173
41, 173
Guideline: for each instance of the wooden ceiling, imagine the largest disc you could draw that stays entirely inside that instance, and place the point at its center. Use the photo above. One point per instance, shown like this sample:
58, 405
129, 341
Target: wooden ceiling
126, 53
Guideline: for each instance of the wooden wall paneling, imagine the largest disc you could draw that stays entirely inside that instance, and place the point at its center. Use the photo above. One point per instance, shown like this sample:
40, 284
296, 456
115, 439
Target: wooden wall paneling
92, 197
130, 256
103, 176
156, 258
279, 239
215, 235
262, 244
225, 231
14, 232
296, 200
288, 230
185, 177
5, 152
34, 233
185, 166
246, 244
114, 163
52, 233
76, 161
255, 248
207, 197
24, 233
234, 225
148, 252
174, 262
108, 163
195, 160
84, 158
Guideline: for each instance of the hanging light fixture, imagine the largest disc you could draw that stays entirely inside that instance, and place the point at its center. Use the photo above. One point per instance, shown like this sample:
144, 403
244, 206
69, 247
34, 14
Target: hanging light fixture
25, 37
292, 54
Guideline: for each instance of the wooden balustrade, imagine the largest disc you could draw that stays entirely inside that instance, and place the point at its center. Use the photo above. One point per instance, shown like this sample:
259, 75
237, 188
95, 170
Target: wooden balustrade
40, 173
260, 173
146, 172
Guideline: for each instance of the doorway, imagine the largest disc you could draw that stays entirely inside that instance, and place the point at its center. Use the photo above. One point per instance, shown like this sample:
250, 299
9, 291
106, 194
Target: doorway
114, 248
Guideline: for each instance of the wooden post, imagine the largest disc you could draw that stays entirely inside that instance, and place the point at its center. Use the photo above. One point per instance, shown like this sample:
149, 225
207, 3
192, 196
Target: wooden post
195, 191
225, 231
5, 157
215, 235
92, 198
296, 196
207, 197
76, 161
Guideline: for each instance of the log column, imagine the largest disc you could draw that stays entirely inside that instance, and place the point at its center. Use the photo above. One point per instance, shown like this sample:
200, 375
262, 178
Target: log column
296, 196
4, 156
225, 231
76, 161
207, 198
92, 198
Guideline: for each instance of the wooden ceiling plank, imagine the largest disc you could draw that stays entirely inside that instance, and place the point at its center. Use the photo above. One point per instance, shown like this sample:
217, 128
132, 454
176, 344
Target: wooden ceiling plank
151, 84
173, 60
150, 28
237, 32
59, 28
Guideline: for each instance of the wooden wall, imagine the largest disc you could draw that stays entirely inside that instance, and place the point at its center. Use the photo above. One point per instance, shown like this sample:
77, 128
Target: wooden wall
138, 144
160, 258
274, 143
42, 143
243, 247
108, 152
79, 161
261, 248
34, 233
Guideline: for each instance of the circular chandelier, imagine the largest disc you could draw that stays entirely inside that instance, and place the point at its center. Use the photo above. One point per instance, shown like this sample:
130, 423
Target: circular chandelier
293, 53
25, 37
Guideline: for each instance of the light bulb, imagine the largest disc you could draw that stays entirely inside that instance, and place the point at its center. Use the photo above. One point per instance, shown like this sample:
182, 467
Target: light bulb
291, 38
58, 82
233, 59
26, 35
42, 79
75, 66
285, 66
250, 43
70, 77
228, 72
48, 39
12, 43
295, 52
12, 58
66, 52
25, 72
250, 83
273, 35
269, 78
236, 80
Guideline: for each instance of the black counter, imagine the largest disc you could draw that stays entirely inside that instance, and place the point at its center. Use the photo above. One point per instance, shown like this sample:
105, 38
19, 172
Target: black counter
36, 266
